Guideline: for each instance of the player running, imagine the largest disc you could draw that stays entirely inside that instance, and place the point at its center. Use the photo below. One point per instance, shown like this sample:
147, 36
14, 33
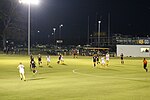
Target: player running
94, 60
33, 67
145, 64
31, 59
97, 59
21, 71
107, 59
74, 53
122, 60
48, 60
39, 59
60, 59
103, 61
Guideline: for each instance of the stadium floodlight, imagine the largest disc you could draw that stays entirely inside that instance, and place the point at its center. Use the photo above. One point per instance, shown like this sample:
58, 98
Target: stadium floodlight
99, 30
29, 2
61, 25
36, 2
54, 29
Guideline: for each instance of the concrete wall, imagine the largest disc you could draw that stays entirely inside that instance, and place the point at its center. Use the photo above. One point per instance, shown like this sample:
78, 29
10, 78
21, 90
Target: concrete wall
134, 50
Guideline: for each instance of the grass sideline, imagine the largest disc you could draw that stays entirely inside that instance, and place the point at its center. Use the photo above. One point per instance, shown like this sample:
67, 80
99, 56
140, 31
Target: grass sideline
74, 80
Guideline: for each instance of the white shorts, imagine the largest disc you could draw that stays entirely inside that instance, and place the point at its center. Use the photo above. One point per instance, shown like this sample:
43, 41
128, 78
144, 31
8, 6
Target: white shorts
103, 62
21, 72
48, 60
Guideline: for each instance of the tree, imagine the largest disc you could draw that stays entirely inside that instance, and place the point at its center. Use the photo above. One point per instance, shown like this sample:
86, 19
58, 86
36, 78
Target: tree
11, 21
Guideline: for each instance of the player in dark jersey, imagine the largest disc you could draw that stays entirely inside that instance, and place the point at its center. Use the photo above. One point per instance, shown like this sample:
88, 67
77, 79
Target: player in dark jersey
97, 59
94, 60
122, 60
31, 56
60, 59
39, 59
74, 52
33, 67
31, 60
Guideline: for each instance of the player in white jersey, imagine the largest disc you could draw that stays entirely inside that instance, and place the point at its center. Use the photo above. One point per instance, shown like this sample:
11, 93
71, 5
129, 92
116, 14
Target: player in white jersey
21, 71
107, 59
48, 58
103, 61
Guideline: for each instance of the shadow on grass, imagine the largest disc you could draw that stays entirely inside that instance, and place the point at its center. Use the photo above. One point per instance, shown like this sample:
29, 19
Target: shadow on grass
50, 66
121, 65
46, 72
40, 66
107, 68
139, 80
64, 64
36, 78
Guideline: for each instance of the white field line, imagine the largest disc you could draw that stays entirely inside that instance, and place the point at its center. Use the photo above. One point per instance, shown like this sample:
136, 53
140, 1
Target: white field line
112, 77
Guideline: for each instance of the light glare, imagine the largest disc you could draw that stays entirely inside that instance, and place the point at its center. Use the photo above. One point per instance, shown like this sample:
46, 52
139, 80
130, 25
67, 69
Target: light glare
36, 2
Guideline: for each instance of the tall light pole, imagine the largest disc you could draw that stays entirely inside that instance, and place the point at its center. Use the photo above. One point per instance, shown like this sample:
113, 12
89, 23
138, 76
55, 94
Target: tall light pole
99, 30
88, 30
109, 28
54, 29
29, 2
60, 30
29, 24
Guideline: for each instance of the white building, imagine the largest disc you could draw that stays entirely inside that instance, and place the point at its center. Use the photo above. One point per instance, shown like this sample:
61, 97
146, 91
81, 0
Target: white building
133, 50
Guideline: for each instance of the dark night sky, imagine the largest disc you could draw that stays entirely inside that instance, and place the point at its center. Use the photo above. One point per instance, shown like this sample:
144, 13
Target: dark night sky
127, 17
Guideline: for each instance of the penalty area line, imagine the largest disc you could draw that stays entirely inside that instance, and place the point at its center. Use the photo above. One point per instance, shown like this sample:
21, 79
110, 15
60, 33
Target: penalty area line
110, 77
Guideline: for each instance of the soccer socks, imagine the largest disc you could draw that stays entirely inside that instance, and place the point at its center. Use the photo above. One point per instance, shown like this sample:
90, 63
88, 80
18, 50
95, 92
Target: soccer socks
22, 76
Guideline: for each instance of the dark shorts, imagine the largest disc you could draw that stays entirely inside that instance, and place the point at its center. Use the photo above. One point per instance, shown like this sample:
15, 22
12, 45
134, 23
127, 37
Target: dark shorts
94, 60
97, 59
121, 58
145, 65
33, 66
39, 59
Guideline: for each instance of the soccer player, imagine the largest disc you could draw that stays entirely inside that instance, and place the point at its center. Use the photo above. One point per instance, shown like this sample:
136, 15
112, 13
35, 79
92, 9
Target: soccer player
48, 60
107, 59
94, 60
60, 59
31, 56
21, 71
33, 67
31, 59
122, 60
74, 53
97, 59
39, 59
103, 61
145, 64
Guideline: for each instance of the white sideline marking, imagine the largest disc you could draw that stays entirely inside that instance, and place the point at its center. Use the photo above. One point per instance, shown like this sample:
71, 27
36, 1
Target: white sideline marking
137, 79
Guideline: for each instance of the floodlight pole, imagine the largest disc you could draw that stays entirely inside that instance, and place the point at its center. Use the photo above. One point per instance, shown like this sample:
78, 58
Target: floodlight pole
99, 27
29, 21
54, 29
60, 30
29, 26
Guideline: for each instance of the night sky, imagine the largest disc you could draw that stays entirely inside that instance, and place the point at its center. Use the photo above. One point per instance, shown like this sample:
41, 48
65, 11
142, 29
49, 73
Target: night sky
127, 17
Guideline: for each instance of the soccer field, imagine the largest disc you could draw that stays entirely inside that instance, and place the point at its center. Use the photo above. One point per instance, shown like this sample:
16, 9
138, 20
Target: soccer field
76, 79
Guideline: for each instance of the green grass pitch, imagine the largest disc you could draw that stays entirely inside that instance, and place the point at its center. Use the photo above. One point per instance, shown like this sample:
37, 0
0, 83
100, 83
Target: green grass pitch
76, 79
